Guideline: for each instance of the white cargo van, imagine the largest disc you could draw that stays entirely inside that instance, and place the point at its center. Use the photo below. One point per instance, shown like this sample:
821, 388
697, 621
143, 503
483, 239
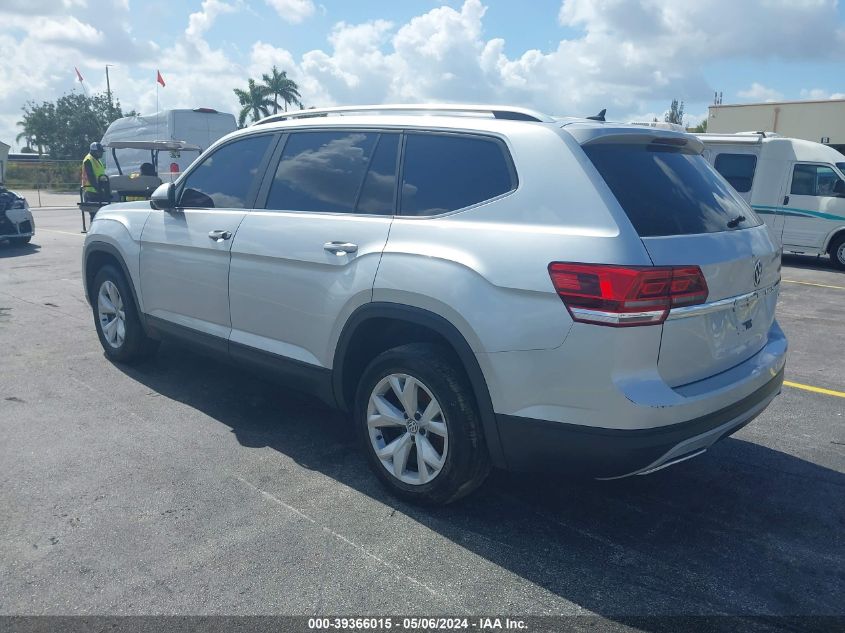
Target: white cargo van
200, 126
797, 187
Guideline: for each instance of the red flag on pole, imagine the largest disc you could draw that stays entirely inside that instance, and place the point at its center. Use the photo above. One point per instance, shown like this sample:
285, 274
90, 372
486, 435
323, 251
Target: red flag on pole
159, 78
78, 74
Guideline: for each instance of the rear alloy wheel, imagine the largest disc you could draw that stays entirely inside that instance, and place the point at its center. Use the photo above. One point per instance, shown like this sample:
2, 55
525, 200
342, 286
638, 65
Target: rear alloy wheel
416, 414
837, 252
116, 318
407, 429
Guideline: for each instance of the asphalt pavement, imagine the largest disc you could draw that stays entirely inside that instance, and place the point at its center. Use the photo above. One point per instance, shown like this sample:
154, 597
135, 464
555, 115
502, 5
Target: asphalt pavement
187, 486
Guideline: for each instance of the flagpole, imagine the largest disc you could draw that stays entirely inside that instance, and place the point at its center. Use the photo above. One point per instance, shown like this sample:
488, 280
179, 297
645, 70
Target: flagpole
156, 115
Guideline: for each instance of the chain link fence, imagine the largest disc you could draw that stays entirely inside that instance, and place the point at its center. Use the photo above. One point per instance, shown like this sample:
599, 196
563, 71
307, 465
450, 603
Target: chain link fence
37, 177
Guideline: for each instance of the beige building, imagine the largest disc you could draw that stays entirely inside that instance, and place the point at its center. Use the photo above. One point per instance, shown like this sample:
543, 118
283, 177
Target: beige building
819, 121
4, 156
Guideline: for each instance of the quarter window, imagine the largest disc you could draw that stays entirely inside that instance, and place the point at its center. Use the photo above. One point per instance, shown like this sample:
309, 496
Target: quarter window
813, 180
737, 169
443, 173
325, 171
226, 178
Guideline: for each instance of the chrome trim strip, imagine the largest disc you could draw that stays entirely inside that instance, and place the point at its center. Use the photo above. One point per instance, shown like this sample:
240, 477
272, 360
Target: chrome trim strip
722, 304
621, 318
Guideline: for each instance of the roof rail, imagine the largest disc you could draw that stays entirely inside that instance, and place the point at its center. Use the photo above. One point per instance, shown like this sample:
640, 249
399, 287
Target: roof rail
497, 112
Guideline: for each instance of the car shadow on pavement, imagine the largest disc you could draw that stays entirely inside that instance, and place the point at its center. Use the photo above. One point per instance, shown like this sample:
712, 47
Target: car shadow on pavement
743, 529
809, 262
7, 249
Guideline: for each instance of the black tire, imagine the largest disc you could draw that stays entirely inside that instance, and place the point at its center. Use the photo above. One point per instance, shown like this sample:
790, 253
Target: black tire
837, 252
136, 345
20, 241
467, 461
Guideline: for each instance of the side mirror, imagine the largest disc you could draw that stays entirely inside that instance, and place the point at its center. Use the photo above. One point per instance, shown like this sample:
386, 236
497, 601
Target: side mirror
164, 197
839, 188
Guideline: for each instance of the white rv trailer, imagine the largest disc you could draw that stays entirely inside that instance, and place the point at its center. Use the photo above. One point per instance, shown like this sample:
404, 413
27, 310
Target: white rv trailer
200, 127
797, 187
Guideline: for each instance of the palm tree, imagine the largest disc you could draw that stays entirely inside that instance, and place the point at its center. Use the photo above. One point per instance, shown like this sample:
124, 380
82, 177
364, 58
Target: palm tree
278, 85
254, 101
30, 136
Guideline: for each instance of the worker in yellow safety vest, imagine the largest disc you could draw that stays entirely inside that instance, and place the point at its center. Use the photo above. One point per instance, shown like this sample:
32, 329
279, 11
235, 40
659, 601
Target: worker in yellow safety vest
95, 183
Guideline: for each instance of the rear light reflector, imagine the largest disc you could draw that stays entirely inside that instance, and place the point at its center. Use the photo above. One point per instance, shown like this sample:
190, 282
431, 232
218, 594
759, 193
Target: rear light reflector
622, 296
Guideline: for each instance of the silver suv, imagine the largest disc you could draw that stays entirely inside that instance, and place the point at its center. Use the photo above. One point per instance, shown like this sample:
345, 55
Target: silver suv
477, 286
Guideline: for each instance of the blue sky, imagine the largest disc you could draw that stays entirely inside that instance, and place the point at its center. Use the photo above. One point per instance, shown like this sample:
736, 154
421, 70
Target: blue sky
560, 56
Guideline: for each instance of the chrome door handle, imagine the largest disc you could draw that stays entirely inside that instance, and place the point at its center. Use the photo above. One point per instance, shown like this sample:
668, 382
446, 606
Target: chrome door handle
340, 248
219, 235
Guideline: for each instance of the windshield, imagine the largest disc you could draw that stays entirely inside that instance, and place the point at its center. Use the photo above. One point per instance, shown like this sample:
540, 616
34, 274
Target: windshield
668, 190
131, 160
841, 167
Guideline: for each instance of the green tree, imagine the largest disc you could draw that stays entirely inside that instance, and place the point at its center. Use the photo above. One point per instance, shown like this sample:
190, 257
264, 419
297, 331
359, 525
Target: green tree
701, 128
65, 128
254, 101
675, 113
281, 87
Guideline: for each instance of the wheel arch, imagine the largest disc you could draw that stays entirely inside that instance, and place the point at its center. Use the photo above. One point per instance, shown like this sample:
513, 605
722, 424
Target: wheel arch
834, 234
388, 325
98, 254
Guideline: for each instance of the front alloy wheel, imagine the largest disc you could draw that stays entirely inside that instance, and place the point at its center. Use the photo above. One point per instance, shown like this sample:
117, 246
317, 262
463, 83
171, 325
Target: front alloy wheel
116, 318
111, 313
407, 429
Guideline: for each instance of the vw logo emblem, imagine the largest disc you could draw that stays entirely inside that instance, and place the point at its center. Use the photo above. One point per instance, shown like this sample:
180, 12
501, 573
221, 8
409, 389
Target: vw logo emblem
758, 272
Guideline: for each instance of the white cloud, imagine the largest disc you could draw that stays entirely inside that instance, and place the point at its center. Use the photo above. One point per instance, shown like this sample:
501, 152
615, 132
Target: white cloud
629, 56
819, 94
628, 53
201, 21
40, 7
293, 11
759, 92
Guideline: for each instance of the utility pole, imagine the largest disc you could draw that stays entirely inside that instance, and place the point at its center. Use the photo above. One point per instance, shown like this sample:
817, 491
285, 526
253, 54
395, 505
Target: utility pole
108, 91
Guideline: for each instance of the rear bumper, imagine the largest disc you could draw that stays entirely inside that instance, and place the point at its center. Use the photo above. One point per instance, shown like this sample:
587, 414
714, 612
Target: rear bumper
532, 445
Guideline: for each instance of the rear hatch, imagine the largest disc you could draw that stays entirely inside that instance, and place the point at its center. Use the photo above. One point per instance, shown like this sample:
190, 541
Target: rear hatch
686, 214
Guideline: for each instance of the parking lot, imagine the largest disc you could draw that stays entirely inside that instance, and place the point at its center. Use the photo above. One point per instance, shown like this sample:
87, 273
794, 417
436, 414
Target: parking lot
186, 486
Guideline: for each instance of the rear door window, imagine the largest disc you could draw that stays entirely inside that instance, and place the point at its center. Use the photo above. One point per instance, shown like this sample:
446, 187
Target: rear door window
737, 169
336, 172
813, 180
378, 193
668, 190
442, 173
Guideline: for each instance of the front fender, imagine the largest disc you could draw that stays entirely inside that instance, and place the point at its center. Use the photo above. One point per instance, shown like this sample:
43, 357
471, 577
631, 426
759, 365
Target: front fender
113, 239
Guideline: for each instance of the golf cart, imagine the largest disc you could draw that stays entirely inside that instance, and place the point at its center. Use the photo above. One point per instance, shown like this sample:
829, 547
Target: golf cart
121, 187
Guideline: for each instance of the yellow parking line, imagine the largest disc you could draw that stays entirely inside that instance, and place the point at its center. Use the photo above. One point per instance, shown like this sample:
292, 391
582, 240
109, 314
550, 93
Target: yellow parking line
827, 392
808, 283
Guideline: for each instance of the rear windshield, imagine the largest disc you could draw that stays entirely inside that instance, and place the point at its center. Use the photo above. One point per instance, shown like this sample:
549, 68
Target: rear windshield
668, 190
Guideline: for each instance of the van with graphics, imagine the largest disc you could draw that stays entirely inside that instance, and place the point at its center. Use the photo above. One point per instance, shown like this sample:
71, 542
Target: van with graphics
797, 187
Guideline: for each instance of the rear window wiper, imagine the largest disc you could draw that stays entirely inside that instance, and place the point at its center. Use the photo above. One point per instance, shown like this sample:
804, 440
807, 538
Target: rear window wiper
732, 224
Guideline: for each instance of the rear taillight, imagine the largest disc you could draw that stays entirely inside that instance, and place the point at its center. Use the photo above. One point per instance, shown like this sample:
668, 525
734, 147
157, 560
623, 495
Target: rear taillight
621, 296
